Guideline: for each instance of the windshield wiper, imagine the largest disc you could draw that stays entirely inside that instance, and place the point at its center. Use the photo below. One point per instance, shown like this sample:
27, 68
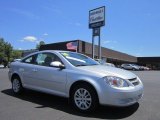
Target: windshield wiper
80, 65
94, 64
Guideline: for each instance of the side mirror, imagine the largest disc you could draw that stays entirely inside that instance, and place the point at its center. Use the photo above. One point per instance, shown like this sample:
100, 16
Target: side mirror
57, 64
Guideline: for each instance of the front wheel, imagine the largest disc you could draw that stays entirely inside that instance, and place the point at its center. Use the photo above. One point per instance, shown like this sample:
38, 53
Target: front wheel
84, 98
17, 85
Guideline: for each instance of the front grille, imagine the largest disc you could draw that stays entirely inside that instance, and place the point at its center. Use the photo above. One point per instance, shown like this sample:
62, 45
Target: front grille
134, 81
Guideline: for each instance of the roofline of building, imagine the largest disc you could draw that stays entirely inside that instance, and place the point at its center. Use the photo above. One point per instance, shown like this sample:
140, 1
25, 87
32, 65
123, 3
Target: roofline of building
109, 49
61, 42
102, 47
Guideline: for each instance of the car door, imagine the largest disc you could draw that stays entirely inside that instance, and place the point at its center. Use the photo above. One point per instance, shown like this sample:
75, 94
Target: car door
47, 78
128, 66
27, 71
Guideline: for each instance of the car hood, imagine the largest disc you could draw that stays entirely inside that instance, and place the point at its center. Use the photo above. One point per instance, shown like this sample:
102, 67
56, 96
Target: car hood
103, 70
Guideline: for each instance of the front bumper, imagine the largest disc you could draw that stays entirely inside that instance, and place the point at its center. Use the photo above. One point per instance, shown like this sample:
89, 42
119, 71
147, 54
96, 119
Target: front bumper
121, 96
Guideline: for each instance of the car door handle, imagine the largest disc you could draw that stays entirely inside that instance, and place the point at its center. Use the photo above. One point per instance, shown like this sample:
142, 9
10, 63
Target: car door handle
34, 70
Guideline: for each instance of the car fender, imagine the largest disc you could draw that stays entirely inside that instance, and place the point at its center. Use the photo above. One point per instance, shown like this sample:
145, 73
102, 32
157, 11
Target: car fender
90, 80
13, 71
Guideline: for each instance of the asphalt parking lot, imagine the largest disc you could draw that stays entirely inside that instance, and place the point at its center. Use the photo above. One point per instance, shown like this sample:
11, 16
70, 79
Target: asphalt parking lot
38, 106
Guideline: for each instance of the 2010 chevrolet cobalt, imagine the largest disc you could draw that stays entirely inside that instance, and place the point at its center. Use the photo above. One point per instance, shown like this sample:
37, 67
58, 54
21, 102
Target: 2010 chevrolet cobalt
81, 79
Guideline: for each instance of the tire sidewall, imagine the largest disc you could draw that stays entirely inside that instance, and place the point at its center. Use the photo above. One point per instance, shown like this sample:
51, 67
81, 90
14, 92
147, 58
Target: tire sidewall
20, 88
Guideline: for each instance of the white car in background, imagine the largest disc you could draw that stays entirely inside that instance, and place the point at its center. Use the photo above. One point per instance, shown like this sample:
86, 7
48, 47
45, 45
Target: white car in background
110, 64
77, 77
16, 60
145, 68
130, 67
1, 66
102, 62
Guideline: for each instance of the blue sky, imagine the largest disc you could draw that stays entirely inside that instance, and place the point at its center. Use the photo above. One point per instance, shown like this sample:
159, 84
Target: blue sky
132, 26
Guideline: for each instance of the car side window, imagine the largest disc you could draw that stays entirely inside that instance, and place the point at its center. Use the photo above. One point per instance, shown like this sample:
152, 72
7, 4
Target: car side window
45, 59
29, 60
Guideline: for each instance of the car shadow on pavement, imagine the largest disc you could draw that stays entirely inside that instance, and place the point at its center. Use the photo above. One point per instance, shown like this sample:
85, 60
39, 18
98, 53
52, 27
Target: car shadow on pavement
59, 103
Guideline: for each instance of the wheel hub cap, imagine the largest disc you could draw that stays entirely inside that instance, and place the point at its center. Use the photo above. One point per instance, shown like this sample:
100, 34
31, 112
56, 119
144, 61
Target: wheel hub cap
16, 85
82, 99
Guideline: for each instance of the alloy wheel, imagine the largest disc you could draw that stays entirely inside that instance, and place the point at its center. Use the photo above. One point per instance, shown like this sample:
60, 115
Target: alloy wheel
82, 99
16, 85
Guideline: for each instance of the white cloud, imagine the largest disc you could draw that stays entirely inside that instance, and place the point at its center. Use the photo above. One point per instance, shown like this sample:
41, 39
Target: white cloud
30, 39
45, 34
37, 41
21, 40
138, 54
115, 41
106, 41
112, 47
109, 41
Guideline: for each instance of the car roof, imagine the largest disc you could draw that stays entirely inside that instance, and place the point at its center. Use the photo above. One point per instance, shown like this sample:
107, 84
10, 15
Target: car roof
54, 51
45, 51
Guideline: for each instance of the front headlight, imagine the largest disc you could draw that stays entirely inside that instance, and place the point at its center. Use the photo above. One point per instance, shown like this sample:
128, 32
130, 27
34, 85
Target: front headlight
115, 81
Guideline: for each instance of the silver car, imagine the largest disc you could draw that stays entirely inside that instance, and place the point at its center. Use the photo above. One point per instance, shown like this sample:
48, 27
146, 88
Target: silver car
130, 67
75, 76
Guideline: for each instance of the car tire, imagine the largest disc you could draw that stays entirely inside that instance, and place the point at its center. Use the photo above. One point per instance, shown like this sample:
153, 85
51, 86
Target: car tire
84, 98
17, 87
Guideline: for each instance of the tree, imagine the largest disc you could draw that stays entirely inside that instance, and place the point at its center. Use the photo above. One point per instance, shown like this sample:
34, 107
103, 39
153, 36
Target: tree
40, 43
2, 44
7, 53
16, 54
8, 50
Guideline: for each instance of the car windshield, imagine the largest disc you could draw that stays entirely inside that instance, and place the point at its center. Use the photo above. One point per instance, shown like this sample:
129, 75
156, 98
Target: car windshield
77, 59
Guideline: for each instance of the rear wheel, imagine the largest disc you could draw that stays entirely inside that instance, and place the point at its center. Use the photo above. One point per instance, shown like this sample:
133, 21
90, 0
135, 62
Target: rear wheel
84, 98
17, 85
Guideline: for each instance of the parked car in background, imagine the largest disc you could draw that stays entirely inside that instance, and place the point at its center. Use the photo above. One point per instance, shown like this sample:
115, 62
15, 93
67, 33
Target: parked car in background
3, 63
130, 67
145, 68
15, 60
85, 82
1, 66
102, 62
110, 64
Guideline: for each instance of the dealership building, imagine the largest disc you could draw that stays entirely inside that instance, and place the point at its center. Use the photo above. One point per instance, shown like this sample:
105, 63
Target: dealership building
86, 48
108, 55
